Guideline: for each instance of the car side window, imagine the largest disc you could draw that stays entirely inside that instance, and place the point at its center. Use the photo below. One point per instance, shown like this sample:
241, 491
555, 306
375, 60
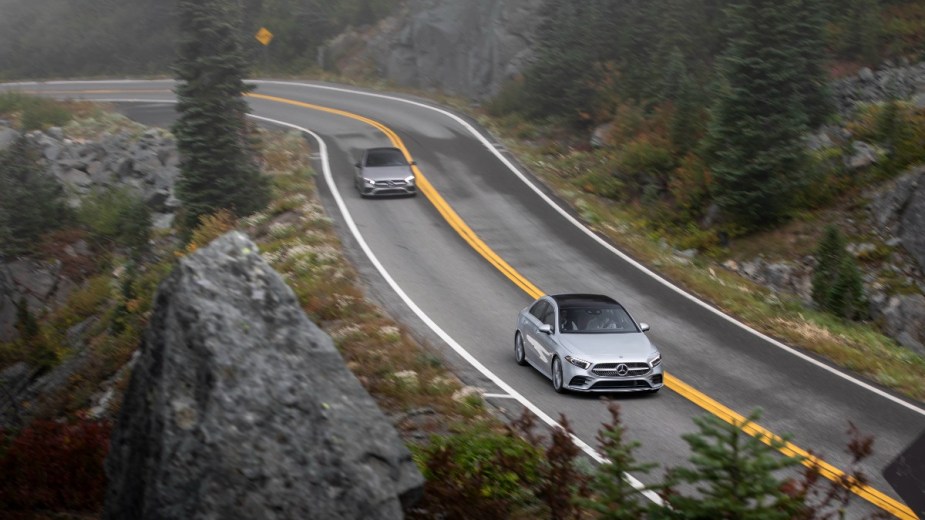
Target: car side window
549, 316
539, 309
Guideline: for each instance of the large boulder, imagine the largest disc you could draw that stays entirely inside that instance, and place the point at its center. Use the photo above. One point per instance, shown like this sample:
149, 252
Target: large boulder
240, 407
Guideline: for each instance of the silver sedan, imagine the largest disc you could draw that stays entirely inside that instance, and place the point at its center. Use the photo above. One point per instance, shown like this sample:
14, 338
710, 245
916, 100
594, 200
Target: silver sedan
587, 343
384, 171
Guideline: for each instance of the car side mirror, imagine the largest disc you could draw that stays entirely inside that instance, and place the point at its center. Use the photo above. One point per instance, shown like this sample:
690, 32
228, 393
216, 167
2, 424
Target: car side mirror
546, 328
357, 164
644, 326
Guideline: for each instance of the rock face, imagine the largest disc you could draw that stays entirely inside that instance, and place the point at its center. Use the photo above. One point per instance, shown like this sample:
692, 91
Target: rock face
902, 82
468, 48
240, 407
899, 210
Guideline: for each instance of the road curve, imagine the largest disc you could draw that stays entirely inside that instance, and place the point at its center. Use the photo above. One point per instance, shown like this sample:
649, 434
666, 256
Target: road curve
474, 304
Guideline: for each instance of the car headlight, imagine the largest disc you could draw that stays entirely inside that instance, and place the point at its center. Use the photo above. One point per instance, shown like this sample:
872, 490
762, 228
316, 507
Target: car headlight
580, 363
409, 179
369, 181
655, 360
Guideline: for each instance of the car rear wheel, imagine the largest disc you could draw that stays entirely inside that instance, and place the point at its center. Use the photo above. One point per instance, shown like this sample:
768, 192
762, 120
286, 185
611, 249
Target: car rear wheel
520, 356
557, 383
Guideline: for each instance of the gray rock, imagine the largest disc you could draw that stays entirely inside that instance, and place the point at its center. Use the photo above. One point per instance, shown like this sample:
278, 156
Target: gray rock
862, 156
239, 406
601, 136
899, 210
903, 318
469, 48
8, 136
912, 224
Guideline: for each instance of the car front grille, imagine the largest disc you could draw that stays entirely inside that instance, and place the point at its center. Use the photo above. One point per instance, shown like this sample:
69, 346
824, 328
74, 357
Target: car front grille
634, 369
390, 183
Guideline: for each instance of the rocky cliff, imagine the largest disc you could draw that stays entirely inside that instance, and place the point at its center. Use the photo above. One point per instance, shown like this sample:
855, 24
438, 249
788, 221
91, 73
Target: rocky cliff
142, 162
240, 407
468, 48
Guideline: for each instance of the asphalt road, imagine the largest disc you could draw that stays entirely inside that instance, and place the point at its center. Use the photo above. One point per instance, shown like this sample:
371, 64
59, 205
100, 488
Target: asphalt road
463, 302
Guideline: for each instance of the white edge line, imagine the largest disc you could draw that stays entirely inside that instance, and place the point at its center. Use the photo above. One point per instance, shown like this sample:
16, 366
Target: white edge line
487, 143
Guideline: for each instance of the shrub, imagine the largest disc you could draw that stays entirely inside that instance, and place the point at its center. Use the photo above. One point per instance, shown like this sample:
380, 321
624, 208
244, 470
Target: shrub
646, 163
476, 473
53, 466
211, 227
34, 112
117, 216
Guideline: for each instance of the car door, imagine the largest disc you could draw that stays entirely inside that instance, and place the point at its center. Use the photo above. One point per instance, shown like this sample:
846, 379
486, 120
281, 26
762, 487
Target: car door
537, 343
531, 331
547, 341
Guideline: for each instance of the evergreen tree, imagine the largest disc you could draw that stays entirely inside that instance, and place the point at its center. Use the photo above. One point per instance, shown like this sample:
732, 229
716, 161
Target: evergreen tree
837, 284
21, 179
218, 169
733, 475
829, 252
812, 83
846, 297
561, 80
614, 497
863, 29
756, 148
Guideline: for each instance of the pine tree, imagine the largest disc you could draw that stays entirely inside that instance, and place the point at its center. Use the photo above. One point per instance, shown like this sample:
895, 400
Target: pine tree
218, 169
21, 179
614, 497
812, 83
837, 284
757, 154
733, 475
560, 82
846, 297
828, 257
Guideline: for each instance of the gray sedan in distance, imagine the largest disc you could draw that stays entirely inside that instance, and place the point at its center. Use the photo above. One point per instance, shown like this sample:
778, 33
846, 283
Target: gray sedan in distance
587, 343
384, 171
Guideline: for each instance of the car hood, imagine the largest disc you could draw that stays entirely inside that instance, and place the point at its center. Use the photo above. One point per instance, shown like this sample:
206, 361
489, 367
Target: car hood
602, 348
384, 173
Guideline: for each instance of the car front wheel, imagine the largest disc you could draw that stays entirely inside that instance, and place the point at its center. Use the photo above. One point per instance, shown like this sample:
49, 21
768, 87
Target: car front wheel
519, 355
557, 383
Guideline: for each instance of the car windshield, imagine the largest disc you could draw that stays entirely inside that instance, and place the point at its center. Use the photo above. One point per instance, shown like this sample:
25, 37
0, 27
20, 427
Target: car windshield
385, 158
595, 318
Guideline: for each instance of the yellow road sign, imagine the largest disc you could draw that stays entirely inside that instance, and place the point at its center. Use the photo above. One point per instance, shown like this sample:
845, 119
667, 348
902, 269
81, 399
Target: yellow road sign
264, 36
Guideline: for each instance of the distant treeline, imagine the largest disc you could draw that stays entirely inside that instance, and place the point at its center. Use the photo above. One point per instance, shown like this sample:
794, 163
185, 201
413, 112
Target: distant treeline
85, 38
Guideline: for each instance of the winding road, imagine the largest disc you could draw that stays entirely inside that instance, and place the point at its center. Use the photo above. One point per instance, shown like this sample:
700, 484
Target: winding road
456, 263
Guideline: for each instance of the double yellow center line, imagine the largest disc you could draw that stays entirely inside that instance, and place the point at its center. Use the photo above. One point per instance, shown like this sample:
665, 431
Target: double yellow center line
829, 471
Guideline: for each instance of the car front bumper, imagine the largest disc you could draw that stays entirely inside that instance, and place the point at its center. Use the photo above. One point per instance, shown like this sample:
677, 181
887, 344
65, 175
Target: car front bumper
385, 188
585, 380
